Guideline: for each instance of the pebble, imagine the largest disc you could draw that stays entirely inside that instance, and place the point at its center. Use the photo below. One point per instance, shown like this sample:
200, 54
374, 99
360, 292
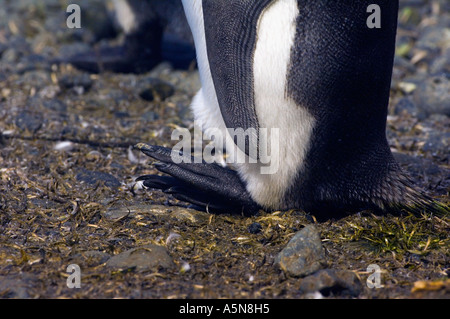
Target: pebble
64, 146
304, 253
432, 96
255, 228
436, 142
406, 104
144, 258
27, 121
92, 177
56, 105
124, 209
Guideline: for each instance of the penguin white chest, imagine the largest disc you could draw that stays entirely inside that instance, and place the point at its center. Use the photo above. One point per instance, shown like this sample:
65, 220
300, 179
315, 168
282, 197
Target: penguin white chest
276, 31
205, 105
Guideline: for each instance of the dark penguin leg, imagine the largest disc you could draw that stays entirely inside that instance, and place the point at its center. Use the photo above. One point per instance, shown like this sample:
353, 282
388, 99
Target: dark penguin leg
140, 52
210, 186
158, 35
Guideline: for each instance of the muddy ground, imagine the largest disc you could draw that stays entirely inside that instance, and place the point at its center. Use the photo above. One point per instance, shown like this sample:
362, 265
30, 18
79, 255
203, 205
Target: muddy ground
74, 203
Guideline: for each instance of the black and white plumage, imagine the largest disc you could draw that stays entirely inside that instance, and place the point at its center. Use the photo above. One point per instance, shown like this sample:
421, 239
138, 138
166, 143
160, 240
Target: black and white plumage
315, 71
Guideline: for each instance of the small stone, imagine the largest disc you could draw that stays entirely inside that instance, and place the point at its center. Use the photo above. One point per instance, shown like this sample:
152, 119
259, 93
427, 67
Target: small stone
332, 282
254, 228
143, 258
126, 209
407, 87
432, 96
29, 122
304, 253
56, 105
436, 142
407, 105
116, 213
64, 146
92, 177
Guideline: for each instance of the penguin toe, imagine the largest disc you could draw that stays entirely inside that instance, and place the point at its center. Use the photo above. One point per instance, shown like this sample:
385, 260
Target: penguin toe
210, 186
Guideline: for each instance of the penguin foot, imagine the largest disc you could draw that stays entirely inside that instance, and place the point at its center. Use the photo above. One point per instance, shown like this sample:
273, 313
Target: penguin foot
135, 56
210, 186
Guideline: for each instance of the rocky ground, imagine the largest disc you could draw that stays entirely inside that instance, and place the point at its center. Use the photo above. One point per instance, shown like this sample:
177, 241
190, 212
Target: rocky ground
67, 173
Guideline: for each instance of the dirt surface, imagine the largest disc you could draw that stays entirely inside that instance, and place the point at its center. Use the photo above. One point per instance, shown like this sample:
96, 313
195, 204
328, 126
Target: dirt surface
76, 202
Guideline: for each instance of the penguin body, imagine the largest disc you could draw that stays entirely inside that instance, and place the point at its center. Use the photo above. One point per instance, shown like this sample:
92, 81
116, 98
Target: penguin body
318, 74
246, 92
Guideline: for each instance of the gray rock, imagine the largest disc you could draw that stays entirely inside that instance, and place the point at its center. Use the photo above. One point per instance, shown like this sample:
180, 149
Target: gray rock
55, 105
441, 64
433, 37
255, 228
31, 122
124, 209
407, 105
304, 253
332, 282
433, 96
436, 142
149, 257
92, 177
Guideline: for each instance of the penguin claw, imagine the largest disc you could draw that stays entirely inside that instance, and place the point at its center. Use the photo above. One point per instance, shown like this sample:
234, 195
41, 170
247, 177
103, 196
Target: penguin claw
210, 186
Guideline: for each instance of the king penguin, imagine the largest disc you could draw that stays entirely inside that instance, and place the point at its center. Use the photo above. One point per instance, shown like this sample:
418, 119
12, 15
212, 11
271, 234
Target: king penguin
154, 31
319, 74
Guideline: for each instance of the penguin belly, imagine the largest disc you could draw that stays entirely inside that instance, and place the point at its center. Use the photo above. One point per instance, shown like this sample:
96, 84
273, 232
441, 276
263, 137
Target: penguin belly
275, 38
275, 110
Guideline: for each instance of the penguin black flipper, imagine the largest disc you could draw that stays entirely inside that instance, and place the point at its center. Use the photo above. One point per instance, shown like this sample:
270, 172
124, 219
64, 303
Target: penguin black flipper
232, 62
210, 186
